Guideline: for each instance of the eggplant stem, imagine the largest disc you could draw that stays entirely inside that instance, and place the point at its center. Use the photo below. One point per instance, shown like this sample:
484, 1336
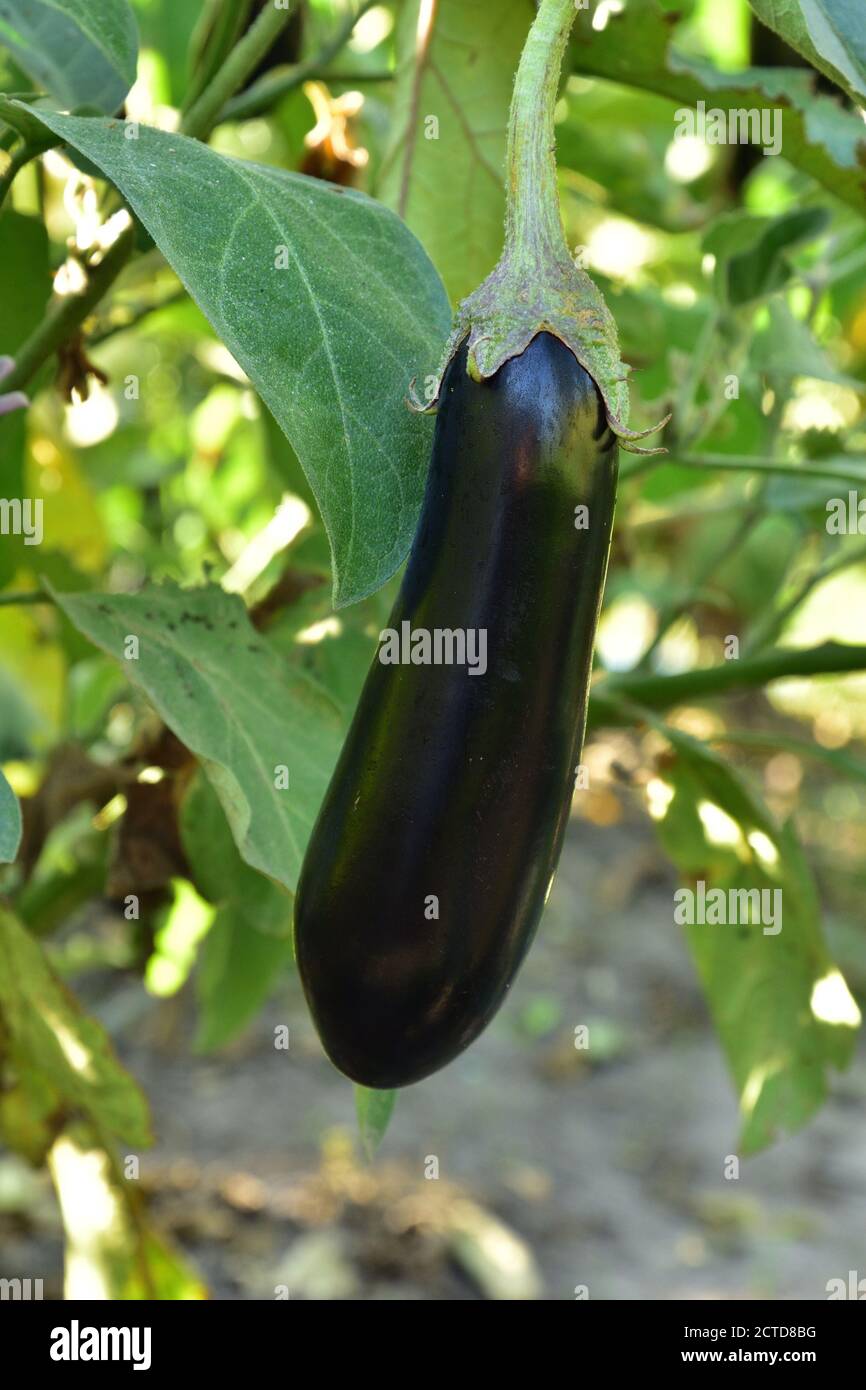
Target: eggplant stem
533, 227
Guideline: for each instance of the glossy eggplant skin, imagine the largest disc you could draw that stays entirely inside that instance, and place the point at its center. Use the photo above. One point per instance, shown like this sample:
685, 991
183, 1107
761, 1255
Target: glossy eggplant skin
456, 785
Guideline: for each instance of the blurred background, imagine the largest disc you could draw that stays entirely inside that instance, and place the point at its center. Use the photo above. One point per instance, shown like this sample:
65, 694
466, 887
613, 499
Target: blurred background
531, 1167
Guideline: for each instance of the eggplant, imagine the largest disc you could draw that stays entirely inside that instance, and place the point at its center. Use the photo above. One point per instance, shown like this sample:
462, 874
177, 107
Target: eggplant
438, 838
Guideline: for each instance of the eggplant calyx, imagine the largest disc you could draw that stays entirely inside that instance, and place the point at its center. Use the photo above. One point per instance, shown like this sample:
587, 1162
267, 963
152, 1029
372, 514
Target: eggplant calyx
537, 287
518, 301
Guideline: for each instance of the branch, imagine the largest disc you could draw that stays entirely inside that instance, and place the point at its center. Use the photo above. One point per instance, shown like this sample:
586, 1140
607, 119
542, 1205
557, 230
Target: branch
264, 93
13, 599
17, 160
67, 312
661, 692
746, 463
243, 59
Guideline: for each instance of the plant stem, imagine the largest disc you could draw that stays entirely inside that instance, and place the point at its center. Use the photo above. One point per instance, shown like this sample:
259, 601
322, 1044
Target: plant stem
746, 463
264, 93
224, 23
243, 59
661, 692
533, 227
17, 160
24, 596
65, 313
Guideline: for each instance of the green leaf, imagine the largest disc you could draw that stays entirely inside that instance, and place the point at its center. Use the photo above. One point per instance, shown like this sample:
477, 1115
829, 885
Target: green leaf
751, 252
237, 970
55, 1059
83, 52
228, 695
819, 136
10, 822
249, 943
21, 119
459, 72
331, 341
219, 873
787, 348
374, 1109
781, 1007
829, 33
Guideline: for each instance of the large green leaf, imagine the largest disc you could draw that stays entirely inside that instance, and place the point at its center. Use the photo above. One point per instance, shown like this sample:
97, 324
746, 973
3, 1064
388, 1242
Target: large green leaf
830, 33
236, 704
818, 135
56, 1061
10, 822
782, 1009
331, 341
456, 65
83, 52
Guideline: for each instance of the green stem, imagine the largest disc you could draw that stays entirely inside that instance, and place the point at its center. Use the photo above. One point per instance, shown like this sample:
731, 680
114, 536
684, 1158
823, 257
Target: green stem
17, 160
223, 27
24, 596
746, 463
65, 314
533, 227
661, 692
202, 116
264, 93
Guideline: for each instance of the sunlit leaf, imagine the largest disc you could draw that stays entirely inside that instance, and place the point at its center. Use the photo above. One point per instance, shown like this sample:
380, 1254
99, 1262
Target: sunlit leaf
60, 1059
781, 1007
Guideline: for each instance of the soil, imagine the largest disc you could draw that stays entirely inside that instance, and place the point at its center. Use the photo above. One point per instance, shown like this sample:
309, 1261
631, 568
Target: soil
605, 1172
